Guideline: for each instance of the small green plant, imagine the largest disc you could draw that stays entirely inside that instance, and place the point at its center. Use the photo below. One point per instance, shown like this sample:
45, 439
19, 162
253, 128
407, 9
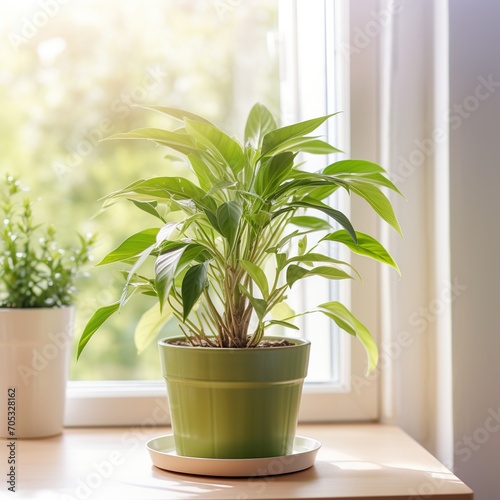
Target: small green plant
233, 237
35, 270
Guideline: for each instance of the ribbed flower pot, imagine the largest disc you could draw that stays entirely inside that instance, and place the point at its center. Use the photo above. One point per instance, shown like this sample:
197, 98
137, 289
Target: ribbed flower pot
234, 403
34, 358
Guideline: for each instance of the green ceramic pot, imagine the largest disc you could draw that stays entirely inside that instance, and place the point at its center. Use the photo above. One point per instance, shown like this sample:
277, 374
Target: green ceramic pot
234, 403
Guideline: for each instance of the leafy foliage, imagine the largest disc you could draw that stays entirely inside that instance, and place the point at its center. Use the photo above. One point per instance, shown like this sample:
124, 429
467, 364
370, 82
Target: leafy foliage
239, 219
35, 270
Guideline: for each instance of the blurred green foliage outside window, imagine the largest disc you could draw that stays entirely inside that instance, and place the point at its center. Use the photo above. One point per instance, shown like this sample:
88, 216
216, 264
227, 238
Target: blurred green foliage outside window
74, 72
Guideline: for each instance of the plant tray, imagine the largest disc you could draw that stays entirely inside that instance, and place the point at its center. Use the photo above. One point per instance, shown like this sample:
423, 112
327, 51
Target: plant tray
163, 455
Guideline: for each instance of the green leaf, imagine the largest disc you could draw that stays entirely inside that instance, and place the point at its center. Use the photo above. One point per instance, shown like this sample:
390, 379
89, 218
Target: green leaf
174, 158
175, 140
344, 318
194, 253
142, 257
149, 326
144, 288
257, 275
280, 261
286, 324
132, 246
222, 186
321, 193
366, 245
94, 323
282, 312
272, 172
311, 257
148, 207
212, 219
193, 284
311, 222
353, 167
180, 114
302, 245
166, 231
168, 187
381, 180
260, 219
259, 123
276, 137
314, 146
315, 257
206, 178
295, 273
165, 271
219, 143
228, 219
371, 175
378, 201
302, 183
259, 305
331, 212
311, 145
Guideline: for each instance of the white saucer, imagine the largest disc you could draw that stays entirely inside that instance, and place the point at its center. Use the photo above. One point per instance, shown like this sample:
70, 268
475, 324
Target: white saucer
162, 451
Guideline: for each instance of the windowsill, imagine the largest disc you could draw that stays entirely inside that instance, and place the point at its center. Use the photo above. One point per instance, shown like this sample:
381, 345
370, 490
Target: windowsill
356, 461
129, 403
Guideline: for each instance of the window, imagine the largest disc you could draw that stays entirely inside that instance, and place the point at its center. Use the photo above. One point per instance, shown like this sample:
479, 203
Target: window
75, 73
316, 80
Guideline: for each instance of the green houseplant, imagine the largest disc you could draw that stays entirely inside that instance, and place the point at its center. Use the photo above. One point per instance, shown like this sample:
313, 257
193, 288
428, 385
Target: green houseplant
230, 242
37, 286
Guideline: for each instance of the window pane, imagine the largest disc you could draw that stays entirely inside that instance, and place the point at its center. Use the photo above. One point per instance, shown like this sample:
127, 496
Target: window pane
72, 74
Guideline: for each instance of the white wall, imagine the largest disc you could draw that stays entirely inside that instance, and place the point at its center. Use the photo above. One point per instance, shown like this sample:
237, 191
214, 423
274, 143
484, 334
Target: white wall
475, 239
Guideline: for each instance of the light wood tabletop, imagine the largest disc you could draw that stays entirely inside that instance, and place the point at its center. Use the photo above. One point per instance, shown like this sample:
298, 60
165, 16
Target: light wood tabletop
356, 461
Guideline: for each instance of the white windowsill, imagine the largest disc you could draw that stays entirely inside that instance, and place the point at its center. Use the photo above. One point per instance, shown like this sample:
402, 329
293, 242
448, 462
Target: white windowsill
126, 403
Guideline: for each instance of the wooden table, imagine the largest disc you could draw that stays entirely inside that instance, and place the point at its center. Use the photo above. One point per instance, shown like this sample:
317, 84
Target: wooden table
356, 461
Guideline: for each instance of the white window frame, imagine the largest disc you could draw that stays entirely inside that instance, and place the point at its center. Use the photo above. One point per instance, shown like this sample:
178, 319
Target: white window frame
307, 91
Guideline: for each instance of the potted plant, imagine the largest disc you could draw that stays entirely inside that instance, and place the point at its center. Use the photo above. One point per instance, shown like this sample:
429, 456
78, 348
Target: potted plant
231, 239
36, 317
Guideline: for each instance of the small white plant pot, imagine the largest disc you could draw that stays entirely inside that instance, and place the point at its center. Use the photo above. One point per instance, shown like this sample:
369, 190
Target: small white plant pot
34, 361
